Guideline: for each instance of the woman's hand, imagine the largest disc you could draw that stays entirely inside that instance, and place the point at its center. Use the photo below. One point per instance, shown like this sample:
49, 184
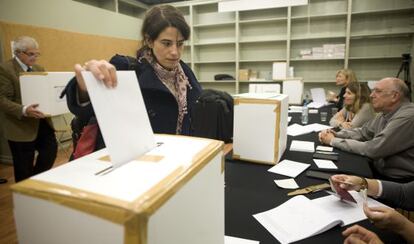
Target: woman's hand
332, 97
357, 234
102, 70
387, 218
348, 182
346, 125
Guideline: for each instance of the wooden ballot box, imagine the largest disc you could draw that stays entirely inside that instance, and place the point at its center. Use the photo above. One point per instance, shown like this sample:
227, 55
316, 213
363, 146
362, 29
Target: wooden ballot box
260, 127
172, 194
44, 88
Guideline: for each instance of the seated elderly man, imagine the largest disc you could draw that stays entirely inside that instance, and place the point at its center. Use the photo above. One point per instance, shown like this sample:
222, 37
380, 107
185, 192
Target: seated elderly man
388, 138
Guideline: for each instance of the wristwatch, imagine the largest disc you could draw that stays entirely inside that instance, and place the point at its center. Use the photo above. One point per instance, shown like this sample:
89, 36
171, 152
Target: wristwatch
364, 183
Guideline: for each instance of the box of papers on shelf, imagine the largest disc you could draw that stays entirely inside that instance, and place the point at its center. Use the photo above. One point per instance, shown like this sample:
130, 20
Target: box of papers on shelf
294, 89
244, 74
165, 196
44, 88
260, 125
279, 70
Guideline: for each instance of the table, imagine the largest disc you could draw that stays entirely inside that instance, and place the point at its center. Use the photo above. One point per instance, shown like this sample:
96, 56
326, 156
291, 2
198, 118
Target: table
250, 189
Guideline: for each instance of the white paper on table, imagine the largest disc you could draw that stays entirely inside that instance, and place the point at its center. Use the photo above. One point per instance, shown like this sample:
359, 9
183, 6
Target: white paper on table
316, 105
318, 95
287, 184
348, 213
302, 146
236, 240
295, 109
325, 164
296, 219
289, 168
289, 118
324, 148
297, 129
313, 111
122, 117
316, 127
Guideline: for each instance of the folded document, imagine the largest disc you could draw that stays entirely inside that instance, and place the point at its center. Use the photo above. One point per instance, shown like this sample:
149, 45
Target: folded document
300, 218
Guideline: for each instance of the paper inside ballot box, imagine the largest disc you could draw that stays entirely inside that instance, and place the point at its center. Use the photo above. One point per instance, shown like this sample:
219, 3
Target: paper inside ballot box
45, 88
260, 127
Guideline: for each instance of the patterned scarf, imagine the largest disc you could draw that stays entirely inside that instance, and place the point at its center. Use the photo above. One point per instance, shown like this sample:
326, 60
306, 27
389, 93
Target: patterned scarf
175, 80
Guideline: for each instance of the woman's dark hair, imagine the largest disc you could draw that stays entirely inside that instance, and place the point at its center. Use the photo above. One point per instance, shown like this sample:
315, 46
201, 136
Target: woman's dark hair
157, 19
361, 91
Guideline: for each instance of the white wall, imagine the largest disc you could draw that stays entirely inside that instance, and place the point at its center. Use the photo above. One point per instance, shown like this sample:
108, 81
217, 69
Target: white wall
70, 16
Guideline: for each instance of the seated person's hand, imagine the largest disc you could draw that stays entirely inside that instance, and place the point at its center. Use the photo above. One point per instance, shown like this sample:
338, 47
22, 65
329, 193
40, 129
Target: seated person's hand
326, 137
346, 125
386, 218
348, 182
102, 70
331, 96
357, 234
33, 112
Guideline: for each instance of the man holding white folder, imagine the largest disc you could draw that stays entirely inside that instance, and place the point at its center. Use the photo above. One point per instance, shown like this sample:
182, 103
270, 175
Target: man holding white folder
25, 127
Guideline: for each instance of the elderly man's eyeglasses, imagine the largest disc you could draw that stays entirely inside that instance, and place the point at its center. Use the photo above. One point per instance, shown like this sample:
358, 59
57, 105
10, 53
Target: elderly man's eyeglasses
32, 54
379, 91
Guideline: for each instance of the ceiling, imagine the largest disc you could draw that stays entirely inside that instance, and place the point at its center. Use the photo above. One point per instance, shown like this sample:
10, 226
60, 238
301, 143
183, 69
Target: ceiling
152, 2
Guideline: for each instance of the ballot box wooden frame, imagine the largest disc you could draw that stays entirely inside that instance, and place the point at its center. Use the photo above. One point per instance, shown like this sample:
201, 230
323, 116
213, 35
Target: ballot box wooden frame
183, 204
260, 127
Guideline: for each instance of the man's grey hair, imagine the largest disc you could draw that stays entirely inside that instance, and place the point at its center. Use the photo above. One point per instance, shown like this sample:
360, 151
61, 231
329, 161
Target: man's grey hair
400, 87
22, 43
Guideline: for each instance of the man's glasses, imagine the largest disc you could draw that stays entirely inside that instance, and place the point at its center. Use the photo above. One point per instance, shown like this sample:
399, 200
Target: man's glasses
379, 91
32, 54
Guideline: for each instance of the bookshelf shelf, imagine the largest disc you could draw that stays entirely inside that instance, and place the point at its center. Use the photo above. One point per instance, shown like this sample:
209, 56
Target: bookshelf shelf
374, 32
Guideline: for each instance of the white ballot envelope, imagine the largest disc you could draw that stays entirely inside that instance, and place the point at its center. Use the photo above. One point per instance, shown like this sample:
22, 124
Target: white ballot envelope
122, 117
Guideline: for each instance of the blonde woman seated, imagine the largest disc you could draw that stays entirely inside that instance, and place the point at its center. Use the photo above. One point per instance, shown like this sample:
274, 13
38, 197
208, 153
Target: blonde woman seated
343, 78
357, 108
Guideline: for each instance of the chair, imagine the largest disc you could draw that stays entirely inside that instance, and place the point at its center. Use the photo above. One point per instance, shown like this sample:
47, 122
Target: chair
63, 133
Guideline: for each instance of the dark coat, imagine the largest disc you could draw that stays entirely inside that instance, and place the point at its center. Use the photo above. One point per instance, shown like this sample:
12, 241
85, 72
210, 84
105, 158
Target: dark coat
16, 127
161, 105
340, 97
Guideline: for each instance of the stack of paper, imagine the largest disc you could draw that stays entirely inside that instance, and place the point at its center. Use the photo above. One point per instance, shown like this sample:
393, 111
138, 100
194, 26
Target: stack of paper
294, 89
300, 218
325, 164
316, 105
264, 88
279, 70
318, 96
302, 146
295, 109
316, 127
297, 129
289, 168
287, 183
